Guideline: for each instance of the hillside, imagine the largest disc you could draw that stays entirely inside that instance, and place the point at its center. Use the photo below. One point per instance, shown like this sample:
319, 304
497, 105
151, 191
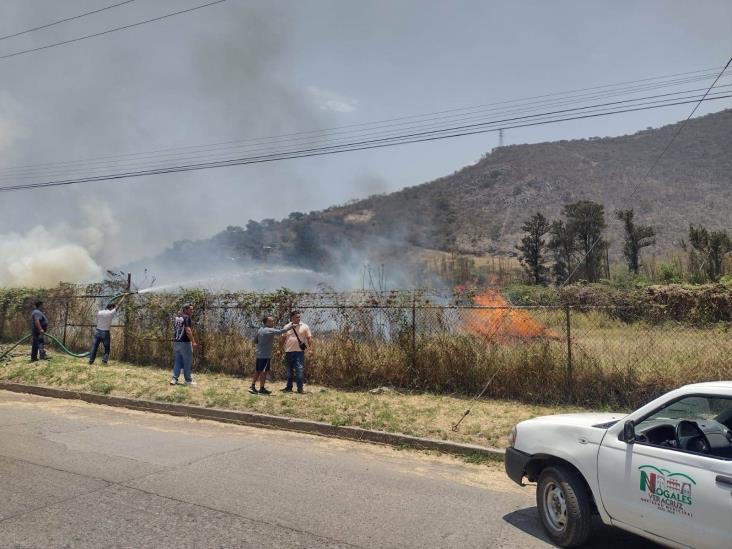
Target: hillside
479, 209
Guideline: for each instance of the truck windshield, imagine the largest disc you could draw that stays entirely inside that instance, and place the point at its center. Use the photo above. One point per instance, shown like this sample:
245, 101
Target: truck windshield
696, 408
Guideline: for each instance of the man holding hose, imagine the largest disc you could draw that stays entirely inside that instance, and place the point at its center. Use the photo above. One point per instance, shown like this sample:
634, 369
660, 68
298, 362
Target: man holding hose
103, 333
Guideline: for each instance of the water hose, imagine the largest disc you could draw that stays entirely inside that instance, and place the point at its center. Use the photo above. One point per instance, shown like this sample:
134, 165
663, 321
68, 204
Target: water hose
54, 339
120, 296
65, 350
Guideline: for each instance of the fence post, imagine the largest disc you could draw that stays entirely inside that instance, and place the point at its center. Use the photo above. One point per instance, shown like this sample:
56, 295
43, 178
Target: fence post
66, 320
126, 328
570, 378
202, 332
413, 358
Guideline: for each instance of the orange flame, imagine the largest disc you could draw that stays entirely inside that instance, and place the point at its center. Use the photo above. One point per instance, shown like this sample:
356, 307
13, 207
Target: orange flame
504, 323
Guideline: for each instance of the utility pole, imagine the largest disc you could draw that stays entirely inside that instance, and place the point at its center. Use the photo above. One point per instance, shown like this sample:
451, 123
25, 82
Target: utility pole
500, 137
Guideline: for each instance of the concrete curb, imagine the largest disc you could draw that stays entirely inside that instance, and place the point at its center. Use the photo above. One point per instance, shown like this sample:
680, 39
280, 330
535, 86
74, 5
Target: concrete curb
260, 420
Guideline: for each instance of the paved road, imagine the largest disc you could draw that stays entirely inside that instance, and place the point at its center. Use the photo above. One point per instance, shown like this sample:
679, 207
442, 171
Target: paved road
79, 475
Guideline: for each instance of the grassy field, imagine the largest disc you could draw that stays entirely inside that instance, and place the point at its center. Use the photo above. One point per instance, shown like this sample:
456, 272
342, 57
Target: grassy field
426, 415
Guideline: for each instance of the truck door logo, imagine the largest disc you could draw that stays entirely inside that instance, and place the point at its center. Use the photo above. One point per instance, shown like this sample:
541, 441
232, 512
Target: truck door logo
666, 491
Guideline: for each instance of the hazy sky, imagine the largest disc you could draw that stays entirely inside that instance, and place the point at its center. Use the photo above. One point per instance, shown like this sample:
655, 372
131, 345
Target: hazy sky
247, 69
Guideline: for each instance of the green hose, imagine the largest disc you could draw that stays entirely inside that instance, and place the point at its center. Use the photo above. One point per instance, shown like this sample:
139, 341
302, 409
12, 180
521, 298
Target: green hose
65, 350
53, 338
118, 296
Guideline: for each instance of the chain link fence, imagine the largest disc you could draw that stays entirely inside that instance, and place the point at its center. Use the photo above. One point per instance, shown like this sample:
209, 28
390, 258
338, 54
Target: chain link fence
581, 354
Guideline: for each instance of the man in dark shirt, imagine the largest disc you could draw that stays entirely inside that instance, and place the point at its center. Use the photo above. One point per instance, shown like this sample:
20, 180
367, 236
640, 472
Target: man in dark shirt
183, 344
39, 325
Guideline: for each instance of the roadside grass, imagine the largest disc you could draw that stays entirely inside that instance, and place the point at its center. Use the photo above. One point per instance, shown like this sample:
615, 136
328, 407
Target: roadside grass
418, 414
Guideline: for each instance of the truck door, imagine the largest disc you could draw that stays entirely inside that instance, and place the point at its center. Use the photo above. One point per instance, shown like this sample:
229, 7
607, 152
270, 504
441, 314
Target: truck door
671, 482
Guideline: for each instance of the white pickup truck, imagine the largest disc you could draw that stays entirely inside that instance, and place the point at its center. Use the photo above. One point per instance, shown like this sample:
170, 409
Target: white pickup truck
663, 472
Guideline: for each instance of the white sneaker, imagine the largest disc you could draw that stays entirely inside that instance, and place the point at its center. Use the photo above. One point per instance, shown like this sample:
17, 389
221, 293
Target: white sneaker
174, 381
191, 383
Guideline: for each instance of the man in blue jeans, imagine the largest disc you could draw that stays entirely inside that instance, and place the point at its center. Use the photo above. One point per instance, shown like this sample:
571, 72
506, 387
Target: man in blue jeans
103, 333
295, 342
39, 325
183, 345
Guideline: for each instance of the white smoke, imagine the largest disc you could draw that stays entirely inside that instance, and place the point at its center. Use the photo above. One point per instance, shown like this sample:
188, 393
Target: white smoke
43, 257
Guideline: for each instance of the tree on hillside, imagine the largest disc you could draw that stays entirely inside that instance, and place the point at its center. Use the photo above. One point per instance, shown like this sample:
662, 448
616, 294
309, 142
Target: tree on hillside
586, 221
532, 248
308, 247
636, 238
562, 246
711, 248
578, 239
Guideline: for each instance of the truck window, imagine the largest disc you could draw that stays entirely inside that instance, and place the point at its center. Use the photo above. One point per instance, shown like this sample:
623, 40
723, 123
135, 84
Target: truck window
698, 424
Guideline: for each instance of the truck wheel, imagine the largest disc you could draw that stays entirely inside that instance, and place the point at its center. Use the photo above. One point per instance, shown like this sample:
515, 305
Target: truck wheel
565, 507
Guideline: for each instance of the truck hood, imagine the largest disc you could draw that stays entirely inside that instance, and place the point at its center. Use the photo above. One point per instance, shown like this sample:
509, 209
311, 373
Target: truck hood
598, 420
571, 433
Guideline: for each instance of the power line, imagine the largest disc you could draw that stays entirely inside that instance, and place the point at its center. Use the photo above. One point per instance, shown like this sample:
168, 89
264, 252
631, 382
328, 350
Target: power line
51, 169
317, 151
384, 123
7, 36
109, 31
604, 108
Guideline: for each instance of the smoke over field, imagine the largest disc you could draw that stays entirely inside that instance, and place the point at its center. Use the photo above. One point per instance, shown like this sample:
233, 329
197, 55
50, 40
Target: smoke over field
212, 77
40, 259
65, 252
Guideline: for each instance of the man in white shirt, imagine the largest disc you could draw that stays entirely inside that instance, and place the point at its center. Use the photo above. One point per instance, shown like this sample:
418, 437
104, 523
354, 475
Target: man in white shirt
103, 333
295, 341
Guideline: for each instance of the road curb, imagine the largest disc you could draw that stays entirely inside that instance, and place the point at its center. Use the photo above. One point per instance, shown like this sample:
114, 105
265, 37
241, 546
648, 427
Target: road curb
254, 419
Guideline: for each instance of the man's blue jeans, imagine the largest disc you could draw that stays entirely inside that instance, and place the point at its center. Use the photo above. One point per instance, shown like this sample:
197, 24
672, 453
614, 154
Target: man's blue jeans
183, 351
103, 337
295, 363
38, 345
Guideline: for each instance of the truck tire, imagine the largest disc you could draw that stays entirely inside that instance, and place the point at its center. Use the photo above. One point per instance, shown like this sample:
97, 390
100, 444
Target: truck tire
564, 505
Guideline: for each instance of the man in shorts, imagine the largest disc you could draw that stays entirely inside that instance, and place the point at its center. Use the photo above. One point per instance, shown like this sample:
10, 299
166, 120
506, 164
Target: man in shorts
295, 341
265, 341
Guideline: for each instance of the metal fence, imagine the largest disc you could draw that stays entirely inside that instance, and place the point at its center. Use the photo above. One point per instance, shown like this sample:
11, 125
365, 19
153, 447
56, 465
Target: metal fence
563, 353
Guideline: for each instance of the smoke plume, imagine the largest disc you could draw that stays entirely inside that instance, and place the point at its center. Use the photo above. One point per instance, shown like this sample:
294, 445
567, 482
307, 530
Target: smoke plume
43, 257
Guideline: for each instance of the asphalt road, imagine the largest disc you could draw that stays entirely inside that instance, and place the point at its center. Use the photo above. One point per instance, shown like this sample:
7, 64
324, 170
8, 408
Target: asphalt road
79, 475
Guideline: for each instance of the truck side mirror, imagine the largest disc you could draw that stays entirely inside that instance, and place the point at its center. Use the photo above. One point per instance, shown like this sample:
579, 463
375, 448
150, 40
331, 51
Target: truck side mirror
629, 431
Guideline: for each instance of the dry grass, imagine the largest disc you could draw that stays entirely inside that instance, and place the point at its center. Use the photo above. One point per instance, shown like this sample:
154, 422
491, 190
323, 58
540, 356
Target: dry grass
424, 414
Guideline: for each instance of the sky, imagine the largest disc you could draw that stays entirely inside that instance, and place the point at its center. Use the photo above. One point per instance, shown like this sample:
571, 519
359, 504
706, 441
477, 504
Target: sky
247, 69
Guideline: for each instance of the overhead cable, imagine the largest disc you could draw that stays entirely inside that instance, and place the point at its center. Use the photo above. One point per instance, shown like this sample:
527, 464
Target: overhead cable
72, 18
54, 169
321, 151
109, 31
